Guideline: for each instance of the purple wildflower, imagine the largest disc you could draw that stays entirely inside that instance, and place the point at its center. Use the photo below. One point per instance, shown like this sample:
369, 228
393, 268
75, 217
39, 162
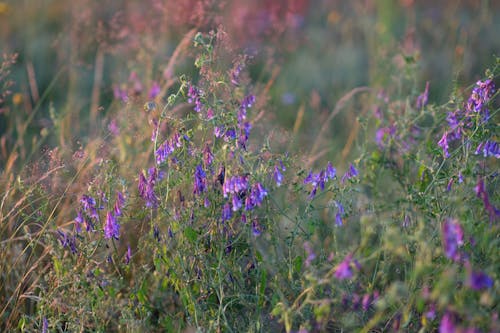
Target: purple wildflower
256, 228
128, 255
450, 183
351, 173
236, 202
343, 270
278, 177
120, 201
331, 172
482, 194
480, 96
146, 187
453, 238
208, 157
340, 213
248, 101
111, 227
89, 206
156, 233
235, 184
479, 280
45, 325
67, 241
230, 135
226, 212
219, 131
235, 74
113, 127
489, 148
199, 180
423, 98
366, 301
154, 91
210, 113
194, 96
78, 221
443, 143
447, 324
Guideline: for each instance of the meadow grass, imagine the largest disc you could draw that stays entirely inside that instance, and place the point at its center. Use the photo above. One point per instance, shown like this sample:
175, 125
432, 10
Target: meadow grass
183, 207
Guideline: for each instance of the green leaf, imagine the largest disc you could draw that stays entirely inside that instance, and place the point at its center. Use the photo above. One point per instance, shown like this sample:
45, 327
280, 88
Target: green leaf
191, 234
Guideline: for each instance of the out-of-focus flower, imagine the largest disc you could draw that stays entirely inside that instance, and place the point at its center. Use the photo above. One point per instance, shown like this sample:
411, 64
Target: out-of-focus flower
154, 91
479, 280
278, 177
339, 214
343, 270
423, 97
447, 324
453, 238
480, 190
226, 212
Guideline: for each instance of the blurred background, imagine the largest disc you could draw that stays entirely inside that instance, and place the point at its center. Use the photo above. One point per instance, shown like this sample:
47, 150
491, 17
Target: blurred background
73, 57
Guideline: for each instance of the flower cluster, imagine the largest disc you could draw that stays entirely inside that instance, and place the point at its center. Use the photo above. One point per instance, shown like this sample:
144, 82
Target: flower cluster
146, 187
87, 214
168, 147
194, 96
462, 120
67, 240
318, 180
